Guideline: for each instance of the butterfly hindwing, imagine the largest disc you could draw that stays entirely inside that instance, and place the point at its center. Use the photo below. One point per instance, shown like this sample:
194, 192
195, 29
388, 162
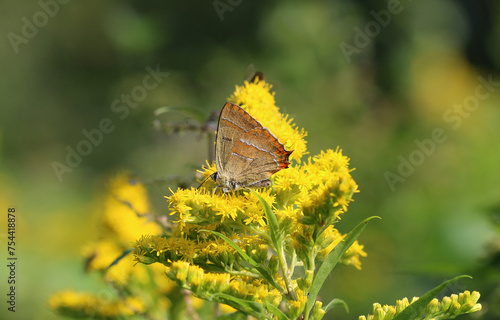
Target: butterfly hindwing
256, 156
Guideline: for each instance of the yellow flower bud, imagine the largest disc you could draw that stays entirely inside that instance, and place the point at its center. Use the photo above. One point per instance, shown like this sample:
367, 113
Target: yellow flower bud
433, 306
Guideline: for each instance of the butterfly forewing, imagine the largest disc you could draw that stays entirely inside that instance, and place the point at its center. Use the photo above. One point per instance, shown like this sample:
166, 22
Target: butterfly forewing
230, 131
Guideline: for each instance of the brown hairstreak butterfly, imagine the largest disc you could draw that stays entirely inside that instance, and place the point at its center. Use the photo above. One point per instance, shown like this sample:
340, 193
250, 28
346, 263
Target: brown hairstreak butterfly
246, 153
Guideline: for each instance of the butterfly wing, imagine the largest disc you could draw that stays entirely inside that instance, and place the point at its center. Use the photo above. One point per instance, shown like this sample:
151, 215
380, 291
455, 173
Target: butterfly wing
234, 122
256, 156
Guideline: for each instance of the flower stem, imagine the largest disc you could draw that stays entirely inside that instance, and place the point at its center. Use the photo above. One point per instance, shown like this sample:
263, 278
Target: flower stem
285, 273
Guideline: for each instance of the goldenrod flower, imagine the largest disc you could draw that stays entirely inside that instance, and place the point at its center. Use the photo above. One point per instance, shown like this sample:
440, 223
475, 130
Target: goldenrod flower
125, 216
295, 307
307, 199
352, 255
126, 213
449, 307
101, 254
76, 304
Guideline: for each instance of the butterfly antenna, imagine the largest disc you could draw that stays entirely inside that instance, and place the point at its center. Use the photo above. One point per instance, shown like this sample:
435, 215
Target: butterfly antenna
204, 180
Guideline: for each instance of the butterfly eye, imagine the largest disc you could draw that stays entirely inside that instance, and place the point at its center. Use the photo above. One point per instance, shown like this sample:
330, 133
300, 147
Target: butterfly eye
214, 176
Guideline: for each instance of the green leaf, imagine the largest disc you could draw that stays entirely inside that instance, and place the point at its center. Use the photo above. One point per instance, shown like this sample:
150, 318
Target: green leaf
272, 222
248, 259
334, 303
275, 311
123, 255
330, 262
414, 310
252, 308
238, 315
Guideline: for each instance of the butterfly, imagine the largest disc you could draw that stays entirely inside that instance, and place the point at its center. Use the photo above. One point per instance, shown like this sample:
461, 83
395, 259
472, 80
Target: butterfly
246, 153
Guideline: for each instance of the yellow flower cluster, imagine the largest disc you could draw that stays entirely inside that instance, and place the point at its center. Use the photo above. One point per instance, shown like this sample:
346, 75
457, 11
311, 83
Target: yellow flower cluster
327, 178
126, 214
124, 217
206, 284
320, 189
449, 307
308, 195
330, 238
352, 255
295, 307
197, 206
200, 250
78, 304
307, 199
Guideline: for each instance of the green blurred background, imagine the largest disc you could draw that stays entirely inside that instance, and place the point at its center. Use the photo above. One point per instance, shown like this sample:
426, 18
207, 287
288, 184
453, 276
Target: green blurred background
369, 76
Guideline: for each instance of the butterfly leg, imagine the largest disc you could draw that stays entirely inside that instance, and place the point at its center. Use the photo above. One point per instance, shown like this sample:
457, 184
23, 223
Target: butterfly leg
225, 191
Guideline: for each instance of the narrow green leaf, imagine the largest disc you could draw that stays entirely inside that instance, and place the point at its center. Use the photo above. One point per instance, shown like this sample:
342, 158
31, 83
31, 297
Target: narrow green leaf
334, 303
248, 259
331, 260
238, 315
415, 309
272, 222
123, 255
275, 311
252, 308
